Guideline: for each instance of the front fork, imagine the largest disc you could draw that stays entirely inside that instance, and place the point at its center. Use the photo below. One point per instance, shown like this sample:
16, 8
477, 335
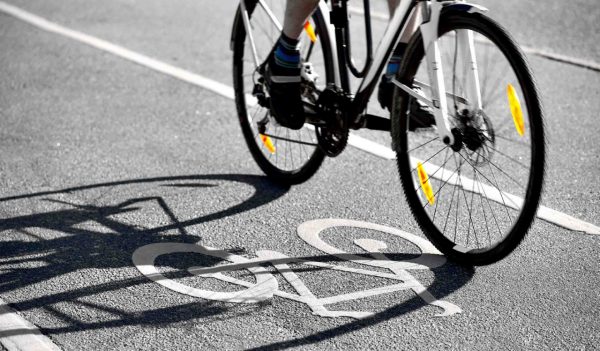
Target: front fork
466, 62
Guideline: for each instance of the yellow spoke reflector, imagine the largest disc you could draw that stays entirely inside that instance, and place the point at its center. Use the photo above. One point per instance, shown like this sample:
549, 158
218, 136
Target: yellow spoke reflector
425, 184
515, 109
310, 31
268, 143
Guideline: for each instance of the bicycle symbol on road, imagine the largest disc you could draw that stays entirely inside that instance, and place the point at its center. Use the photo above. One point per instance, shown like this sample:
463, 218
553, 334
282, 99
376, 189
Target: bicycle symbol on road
266, 285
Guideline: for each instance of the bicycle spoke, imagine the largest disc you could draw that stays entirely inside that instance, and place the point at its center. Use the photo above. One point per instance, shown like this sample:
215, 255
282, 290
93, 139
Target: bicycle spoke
501, 194
457, 211
489, 162
494, 184
427, 160
509, 157
441, 187
443, 166
449, 209
491, 210
487, 227
417, 147
430, 176
471, 218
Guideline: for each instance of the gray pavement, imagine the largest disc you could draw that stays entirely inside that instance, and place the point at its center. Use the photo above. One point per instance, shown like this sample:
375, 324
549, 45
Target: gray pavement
101, 157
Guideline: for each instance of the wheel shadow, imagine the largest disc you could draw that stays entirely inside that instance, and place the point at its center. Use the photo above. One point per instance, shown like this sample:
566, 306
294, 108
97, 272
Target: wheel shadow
79, 248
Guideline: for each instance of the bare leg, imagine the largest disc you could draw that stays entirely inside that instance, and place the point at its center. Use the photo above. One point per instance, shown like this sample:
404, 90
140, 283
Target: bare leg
296, 13
420, 115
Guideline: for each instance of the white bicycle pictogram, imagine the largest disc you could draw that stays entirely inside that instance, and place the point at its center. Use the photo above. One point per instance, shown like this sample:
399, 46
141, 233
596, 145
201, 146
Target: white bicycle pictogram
266, 285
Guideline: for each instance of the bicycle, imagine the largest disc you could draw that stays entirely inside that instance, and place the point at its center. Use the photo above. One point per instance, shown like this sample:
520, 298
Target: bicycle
474, 180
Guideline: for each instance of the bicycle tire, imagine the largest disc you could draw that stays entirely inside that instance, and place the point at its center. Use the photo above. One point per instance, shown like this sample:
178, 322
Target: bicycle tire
517, 229
273, 168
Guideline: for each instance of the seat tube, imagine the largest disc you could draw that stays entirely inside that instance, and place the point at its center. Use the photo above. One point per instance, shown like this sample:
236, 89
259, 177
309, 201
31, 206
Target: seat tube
339, 18
467, 55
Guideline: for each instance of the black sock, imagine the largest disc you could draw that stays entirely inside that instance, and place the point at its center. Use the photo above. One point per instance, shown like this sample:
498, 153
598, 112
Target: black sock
286, 57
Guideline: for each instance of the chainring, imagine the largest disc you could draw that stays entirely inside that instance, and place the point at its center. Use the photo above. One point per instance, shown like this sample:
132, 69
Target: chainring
333, 136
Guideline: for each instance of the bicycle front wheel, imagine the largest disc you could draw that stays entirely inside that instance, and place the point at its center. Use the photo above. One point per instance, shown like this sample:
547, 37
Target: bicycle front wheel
285, 155
474, 200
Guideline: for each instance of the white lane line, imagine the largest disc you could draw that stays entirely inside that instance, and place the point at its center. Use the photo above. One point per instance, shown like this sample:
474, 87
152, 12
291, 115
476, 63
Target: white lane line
120, 51
366, 145
371, 147
16, 333
595, 66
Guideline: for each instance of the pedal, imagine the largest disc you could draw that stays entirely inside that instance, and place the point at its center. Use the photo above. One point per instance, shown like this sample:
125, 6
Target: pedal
308, 73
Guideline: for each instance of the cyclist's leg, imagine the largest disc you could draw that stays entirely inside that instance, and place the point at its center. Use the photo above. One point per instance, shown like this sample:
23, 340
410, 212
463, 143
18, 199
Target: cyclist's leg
421, 116
283, 70
296, 14
411, 28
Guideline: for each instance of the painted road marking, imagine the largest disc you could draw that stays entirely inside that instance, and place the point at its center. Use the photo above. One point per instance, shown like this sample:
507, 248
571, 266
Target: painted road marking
266, 285
595, 66
16, 333
547, 214
120, 51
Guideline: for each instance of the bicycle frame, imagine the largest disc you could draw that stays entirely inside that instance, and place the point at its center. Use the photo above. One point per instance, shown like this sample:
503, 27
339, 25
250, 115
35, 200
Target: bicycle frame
337, 17
448, 152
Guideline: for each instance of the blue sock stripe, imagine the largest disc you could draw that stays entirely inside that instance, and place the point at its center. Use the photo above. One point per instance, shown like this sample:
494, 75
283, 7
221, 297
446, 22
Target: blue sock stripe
285, 57
286, 64
392, 68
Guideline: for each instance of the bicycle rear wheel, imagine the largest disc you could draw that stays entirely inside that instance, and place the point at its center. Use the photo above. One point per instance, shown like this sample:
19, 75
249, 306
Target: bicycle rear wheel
286, 156
475, 201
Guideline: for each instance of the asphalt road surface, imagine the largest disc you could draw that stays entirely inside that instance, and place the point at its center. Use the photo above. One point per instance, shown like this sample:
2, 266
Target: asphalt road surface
106, 163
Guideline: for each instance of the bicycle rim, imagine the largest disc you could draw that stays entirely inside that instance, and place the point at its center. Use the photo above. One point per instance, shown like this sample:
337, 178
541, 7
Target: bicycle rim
475, 203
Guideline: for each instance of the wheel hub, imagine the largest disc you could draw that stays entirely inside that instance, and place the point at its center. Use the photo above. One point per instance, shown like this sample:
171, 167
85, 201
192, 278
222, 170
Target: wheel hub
474, 132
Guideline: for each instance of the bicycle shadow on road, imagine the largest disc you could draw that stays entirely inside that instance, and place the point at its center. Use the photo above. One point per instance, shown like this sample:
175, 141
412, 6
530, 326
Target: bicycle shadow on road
71, 246
24, 263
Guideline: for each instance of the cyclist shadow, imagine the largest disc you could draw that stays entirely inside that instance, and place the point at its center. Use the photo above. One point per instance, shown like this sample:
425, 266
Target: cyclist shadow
70, 244
79, 247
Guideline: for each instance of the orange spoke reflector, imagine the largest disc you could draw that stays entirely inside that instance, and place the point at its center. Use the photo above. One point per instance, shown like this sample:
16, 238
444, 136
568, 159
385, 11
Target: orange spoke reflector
310, 31
268, 143
515, 109
425, 184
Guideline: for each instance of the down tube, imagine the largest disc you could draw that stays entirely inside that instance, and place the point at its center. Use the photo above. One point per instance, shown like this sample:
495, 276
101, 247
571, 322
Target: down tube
324, 9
